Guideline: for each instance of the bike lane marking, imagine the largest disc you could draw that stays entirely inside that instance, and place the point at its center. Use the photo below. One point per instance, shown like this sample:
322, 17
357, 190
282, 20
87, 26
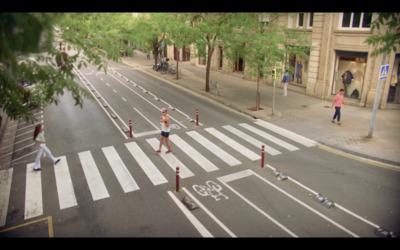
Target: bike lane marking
336, 205
248, 172
209, 213
196, 223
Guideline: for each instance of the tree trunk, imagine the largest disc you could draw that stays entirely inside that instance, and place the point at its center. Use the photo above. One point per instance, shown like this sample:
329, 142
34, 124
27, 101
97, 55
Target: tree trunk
155, 52
209, 55
258, 89
177, 65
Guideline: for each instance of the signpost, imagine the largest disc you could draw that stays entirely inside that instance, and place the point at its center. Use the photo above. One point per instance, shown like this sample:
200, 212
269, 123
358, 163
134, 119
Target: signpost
382, 75
384, 72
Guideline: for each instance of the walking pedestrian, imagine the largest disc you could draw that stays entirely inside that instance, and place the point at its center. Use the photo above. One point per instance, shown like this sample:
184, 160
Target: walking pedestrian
285, 82
338, 101
38, 137
165, 129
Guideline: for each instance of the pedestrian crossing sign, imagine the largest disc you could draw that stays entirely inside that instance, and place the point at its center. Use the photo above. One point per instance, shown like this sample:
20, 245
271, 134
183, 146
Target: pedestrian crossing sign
384, 72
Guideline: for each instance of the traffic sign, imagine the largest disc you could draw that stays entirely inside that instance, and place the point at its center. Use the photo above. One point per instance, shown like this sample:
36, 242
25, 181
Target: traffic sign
384, 72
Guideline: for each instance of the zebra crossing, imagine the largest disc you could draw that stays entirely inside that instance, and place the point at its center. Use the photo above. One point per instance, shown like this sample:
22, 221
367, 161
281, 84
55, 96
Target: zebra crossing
244, 138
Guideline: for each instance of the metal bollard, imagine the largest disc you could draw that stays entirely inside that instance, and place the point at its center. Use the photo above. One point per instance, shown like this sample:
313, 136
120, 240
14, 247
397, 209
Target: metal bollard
130, 128
197, 117
177, 179
262, 156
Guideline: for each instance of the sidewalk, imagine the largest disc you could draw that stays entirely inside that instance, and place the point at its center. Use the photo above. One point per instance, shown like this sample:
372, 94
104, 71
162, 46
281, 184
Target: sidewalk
297, 112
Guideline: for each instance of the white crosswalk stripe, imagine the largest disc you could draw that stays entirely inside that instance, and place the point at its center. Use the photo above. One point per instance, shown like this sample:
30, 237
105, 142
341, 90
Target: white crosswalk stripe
65, 189
126, 180
33, 193
146, 164
93, 177
269, 137
207, 165
238, 147
252, 140
170, 159
217, 151
286, 133
244, 138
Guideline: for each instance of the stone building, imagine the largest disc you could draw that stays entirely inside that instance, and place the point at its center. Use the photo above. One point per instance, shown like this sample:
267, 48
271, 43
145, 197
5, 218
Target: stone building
339, 58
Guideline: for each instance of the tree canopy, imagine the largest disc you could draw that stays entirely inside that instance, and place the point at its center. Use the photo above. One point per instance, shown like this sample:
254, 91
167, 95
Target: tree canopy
28, 53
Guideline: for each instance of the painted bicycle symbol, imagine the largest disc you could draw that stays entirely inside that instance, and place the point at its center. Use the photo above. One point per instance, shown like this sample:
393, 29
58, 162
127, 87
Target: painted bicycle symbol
175, 126
210, 189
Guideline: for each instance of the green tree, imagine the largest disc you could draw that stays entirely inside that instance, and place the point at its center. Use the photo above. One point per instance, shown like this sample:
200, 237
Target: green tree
149, 30
264, 44
27, 52
385, 41
180, 33
209, 27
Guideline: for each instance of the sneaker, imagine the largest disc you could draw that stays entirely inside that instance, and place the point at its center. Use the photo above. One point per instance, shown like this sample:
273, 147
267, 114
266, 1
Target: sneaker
57, 161
158, 151
339, 123
37, 169
169, 151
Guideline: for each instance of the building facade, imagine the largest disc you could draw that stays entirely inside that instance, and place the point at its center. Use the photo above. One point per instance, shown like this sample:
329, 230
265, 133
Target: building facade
339, 58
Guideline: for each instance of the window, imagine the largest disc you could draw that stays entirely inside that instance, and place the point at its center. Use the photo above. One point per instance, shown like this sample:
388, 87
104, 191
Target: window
356, 20
310, 20
300, 19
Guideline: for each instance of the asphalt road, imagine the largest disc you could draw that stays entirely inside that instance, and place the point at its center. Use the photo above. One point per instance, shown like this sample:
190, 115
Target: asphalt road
111, 185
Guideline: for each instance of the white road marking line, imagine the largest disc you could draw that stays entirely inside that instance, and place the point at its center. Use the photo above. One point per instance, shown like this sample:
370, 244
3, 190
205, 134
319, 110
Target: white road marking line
93, 177
209, 213
146, 164
152, 104
248, 172
288, 134
65, 189
252, 140
230, 160
146, 119
126, 180
207, 165
336, 205
33, 193
5, 187
233, 144
170, 159
269, 137
196, 223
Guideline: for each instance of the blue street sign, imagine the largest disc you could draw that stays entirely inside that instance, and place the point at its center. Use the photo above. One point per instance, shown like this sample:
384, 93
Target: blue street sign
384, 72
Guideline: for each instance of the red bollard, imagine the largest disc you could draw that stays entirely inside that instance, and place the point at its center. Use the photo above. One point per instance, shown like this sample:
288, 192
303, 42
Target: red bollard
197, 117
177, 179
130, 128
262, 156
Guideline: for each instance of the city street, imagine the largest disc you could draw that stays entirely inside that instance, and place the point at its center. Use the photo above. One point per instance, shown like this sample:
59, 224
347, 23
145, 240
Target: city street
108, 184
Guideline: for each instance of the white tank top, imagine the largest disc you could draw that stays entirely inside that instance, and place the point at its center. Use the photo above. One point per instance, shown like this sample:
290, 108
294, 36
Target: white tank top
165, 128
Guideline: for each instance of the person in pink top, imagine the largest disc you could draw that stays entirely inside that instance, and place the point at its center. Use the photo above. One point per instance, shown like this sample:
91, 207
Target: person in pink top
338, 101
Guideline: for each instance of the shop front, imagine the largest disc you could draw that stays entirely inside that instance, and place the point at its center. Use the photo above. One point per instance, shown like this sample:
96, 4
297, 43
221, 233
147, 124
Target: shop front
349, 73
394, 89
